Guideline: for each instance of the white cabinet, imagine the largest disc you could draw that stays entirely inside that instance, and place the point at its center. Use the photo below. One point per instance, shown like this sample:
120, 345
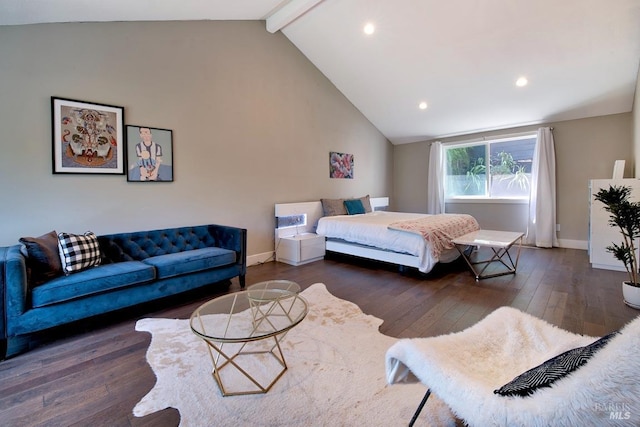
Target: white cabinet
300, 249
601, 234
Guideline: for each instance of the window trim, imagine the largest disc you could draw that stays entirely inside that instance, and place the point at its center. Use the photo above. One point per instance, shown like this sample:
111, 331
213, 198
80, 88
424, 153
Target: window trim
486, 140
485, 200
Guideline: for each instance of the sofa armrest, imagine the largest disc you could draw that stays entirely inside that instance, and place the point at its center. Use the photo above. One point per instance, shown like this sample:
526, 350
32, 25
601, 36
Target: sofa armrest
232, 238
15, 279
13, 286
3, 293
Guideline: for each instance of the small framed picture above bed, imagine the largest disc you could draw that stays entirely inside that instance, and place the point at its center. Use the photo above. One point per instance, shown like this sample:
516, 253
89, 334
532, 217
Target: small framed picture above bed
340, 165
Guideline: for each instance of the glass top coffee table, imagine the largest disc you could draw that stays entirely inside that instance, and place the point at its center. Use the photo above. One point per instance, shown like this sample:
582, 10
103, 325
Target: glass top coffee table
284, 285
243, 331
499, 242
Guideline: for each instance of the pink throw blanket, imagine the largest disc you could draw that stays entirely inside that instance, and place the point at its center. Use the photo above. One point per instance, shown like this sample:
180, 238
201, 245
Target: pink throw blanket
439, 230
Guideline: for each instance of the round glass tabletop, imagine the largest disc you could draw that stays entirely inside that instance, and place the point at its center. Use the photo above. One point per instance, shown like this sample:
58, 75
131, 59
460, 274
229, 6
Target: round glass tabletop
285, 285
248, 315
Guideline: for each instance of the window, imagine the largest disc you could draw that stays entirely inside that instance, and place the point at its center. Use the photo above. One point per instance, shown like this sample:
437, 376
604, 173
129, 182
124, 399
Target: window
493, 169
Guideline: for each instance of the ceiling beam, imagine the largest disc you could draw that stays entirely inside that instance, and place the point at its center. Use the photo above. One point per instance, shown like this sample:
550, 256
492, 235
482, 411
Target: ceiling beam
289, 13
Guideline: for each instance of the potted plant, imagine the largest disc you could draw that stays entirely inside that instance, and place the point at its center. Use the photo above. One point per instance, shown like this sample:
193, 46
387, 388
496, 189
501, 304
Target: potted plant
625, 215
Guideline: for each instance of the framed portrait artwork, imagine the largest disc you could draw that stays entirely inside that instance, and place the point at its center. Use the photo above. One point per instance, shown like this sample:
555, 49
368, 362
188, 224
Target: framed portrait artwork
149, 154
87, 137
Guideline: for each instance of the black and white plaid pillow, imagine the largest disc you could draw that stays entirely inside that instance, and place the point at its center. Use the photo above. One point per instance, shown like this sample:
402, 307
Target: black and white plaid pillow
78, 252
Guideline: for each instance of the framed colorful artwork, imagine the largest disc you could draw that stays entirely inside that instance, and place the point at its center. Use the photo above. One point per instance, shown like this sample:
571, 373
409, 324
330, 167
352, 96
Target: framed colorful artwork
87, 137
149, 154
340, 165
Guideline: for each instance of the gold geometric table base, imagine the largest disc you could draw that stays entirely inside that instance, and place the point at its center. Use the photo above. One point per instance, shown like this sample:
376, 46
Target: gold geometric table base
252, 367
243, 331
263, 311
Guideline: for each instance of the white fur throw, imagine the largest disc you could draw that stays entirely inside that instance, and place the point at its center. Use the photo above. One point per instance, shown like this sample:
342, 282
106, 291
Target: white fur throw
463, 369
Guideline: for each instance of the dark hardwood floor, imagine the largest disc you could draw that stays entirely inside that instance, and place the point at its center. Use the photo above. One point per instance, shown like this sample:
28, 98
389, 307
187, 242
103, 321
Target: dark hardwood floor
93, 373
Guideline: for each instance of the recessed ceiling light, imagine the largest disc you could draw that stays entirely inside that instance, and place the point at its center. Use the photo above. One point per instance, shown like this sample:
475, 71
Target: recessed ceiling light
522, 81
369, 28
422, 105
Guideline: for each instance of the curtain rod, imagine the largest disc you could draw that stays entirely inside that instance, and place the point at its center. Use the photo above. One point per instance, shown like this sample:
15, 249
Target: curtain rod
511, 135
495, 136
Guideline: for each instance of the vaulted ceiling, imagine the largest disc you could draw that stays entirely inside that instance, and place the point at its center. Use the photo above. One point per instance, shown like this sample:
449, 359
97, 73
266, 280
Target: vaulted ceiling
460, 57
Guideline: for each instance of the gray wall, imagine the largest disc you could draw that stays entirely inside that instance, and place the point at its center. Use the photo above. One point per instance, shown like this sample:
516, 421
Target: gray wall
585, 149
253, 123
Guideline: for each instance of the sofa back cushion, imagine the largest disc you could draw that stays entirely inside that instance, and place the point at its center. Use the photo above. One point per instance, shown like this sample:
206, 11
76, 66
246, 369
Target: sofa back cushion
177, 264
140, 245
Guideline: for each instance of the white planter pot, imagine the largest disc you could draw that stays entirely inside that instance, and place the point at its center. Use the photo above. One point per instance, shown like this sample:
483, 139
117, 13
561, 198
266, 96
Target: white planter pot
631, 295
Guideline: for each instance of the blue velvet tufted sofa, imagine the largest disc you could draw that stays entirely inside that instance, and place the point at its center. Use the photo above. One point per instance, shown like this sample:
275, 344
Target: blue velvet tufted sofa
136, 267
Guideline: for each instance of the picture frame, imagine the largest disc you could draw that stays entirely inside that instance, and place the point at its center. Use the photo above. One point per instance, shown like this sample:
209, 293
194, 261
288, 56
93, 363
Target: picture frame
341, 165
87, 137
149, 154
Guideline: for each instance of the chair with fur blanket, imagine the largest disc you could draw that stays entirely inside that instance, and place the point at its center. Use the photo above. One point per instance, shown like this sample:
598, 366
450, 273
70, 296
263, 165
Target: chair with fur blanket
512, 368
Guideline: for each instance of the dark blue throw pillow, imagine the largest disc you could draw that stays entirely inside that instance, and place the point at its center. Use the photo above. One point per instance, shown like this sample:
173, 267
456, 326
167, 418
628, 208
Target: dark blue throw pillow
354, 206
552, 370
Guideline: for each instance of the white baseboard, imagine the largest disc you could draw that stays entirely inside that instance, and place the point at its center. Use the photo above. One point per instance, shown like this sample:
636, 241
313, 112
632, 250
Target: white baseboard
573, 244
260, 258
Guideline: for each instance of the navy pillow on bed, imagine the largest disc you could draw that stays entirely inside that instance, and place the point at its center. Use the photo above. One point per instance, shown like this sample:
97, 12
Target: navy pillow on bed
354, 206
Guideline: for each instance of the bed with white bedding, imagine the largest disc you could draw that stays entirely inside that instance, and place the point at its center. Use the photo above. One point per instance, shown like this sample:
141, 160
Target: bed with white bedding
409, 239
405, 239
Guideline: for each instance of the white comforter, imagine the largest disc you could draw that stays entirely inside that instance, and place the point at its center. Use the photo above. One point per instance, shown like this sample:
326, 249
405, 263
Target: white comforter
371, 229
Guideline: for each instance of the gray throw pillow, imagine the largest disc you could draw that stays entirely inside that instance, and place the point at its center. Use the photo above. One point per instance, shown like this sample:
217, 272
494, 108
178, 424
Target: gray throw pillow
333, 207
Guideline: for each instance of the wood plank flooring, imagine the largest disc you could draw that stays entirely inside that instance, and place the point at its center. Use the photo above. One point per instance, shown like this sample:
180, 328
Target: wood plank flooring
94, 372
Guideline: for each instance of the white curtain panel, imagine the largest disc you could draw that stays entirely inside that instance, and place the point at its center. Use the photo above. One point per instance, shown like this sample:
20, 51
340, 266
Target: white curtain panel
435, 184
541, 230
